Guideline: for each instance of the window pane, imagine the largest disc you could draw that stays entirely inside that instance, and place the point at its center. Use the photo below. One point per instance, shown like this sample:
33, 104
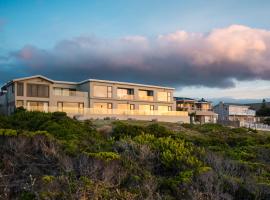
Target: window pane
144, 107
19, 89
34, 90
109, 105
57, 91
125, 93
132, 107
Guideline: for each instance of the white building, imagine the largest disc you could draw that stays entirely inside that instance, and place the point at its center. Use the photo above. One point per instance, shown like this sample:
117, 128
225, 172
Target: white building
235, 113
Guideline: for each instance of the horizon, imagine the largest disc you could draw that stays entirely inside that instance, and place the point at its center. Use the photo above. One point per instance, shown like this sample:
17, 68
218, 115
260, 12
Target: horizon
223, 56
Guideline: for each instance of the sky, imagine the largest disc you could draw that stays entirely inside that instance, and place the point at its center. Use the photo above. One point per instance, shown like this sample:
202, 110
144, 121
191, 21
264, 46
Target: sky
213, 49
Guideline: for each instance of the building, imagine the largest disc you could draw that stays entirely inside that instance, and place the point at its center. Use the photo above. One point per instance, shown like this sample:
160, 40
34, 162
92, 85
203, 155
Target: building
200, 111
235, 114
91, 99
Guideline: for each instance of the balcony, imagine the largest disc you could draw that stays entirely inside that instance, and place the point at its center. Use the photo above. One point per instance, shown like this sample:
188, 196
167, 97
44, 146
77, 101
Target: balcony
99, 111
71, 93
126, 97
146, 98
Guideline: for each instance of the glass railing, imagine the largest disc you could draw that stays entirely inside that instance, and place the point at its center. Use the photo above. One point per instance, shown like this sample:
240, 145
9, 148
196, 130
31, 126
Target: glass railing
97, 111
126, 97
71, 94
146, 98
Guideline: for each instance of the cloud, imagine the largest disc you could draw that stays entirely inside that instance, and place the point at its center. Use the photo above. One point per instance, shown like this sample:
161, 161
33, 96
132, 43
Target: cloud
213, 59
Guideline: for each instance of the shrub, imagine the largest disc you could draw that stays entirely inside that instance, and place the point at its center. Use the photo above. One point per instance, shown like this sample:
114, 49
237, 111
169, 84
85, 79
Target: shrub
106, 156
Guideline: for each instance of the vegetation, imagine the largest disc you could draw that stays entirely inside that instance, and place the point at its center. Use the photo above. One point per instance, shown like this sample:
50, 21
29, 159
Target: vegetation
264, 110
51, 156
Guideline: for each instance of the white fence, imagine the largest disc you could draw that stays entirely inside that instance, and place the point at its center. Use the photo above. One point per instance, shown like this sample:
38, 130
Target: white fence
262, 127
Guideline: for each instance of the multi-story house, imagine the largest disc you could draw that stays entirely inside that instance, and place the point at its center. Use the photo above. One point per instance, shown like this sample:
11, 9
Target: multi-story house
91, 99
200, 111
235, 114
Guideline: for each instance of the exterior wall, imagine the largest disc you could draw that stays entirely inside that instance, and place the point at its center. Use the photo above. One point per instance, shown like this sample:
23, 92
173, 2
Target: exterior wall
115, 100
82, 93
234, 113
163, 118
223, 111
52, 99
3, 104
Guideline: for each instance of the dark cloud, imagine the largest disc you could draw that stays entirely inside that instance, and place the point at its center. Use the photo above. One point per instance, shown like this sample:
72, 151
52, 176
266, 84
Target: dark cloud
177, 59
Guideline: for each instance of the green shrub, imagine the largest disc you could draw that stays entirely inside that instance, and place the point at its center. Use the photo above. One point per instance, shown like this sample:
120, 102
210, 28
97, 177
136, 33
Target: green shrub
106, 156
8, 132
48, 179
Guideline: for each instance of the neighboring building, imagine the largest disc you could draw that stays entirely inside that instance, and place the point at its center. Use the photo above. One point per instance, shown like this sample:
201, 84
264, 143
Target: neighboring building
200, 111
91, 99
235, 114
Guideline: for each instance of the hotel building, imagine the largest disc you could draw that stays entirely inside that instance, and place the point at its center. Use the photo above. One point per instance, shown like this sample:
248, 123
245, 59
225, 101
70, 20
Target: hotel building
91, 98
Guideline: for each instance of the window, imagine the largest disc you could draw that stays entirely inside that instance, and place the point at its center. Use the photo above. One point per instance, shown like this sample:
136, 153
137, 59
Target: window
57, 91
70, 107
19, 89
132, 107
103, 105
35, 90
60, 106
152, 107
103, 91
19, 103
125, 93
81, 108
109, 105
164, 96
109, 88
38, 106
169, 96
147, 95
164, 109
144, 107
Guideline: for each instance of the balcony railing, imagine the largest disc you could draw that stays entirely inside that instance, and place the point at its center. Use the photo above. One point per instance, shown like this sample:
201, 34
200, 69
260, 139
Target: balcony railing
72, 94
196, 109
99, 111
146, 98
126, 97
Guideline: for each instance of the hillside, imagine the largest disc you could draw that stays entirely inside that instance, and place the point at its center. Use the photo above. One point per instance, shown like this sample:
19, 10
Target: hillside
50, 156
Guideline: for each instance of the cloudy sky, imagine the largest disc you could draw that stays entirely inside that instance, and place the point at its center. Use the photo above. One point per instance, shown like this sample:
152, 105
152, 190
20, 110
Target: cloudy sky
211, 49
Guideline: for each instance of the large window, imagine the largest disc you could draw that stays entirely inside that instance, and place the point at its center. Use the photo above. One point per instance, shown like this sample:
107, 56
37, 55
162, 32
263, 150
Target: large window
38, 106
103, 105
164, 96
19, 89
125, 93
164, 109
35, 90
103, 91
147, 95
70, 107
146, 107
